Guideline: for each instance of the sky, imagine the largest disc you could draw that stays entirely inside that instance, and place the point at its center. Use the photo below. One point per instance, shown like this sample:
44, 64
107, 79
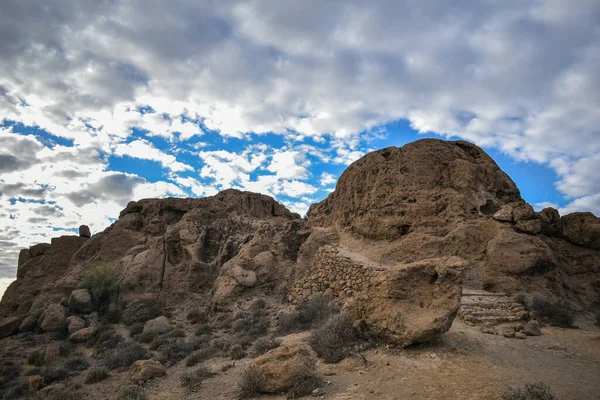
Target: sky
105, 101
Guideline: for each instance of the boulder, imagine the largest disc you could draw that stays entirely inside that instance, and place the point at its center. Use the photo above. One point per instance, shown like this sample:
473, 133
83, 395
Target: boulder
39, 249
504, 214
412, 303
523, 211
530, 226
35, 382
550, 218
52, 352
279, 368
9, 326
581, 228
80, 301
83, 334
520, 335
84, 231
53, 319
75, 323
532, 328
29, 323
145, 370
157, 325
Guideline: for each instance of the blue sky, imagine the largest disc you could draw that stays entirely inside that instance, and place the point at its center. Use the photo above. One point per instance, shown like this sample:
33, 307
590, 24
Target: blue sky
102, 102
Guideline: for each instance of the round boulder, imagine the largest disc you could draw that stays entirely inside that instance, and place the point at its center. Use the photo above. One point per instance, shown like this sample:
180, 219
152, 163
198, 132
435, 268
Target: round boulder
82, 335
75, 323
157, 325
9, 325
532, 328
84, 231
145, 370
53, 319
80, 301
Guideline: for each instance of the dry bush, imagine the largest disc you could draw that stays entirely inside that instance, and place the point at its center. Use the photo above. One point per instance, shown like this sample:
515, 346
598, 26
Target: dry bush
554, 313
138, 311
304, 383
262, 345
102, 280
197, 315
251, 382
171, 350
334, 340
55, 372
200, 355
192, 379
97, 374
133, 392
251, 324
488, 284
105, 339
136, 329
125, 354
307, 315
203, 329
236, 352
36, 358
531, 391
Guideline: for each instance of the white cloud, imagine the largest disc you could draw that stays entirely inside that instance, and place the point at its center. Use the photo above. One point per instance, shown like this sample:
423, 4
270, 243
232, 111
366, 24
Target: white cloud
327, 179
144, 150
289, 165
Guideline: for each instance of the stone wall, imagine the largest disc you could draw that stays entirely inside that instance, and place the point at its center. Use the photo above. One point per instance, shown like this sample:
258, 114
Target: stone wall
331, 274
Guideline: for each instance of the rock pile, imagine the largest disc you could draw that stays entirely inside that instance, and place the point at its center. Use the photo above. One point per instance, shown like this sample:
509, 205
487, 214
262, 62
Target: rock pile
481, 307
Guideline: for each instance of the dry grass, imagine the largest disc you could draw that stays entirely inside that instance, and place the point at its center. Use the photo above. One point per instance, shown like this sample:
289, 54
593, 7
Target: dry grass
531, 391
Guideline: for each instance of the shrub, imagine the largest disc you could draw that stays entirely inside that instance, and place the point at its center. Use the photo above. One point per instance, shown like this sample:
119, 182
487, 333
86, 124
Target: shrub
236, 352
521, 298
554, 313
307, 315
257, 305
76, 363
54, 373
199, 356
17, 391
36, 358
251, 382
125, 354
197, 316
304, 383
531, 391
253, 324
264, 344
203, 329
102, 280
488, 284
138, 311
334, 340
172, 350
97, 374
133, 392
193, 378
105, 339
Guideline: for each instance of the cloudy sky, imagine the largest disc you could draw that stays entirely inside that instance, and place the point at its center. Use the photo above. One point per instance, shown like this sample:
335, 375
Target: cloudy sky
106, 101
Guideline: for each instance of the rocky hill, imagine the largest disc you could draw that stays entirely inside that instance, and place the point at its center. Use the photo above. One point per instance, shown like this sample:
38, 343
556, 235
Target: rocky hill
405, 229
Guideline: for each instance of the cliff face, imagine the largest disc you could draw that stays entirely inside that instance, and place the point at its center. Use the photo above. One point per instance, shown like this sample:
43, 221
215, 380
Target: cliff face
413, 208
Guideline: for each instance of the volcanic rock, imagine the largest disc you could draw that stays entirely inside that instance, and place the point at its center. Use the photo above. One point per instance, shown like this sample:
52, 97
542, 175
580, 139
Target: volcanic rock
8, 326
75, 323
80, 301
582, 229
82, 334
53, 319
84, 231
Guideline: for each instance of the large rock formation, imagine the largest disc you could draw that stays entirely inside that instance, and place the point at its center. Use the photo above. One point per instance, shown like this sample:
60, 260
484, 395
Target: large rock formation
381, 244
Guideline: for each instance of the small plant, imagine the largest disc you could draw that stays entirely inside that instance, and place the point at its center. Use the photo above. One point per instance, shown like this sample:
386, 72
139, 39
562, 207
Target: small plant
36, 358
307, 315
54, 373
97, 374
253, 324
251, 382
105, 339
133, 392
264, 344
200, 355
138, 312
203, 329
76, 363
125, 354
236, 352
334, 340
555, 313
172, 350
531, 391
304, 383
196, 316
521, 298
488, 284
102, 280
192, 379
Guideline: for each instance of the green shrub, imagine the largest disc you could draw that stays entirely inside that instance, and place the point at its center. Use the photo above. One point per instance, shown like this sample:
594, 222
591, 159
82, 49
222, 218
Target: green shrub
264, 344
251, 382
192, 379
236, 352
138, 311
531, 391
307, 315
334, 340
97, 374
102, 280
555, 313
133, 392
125, 354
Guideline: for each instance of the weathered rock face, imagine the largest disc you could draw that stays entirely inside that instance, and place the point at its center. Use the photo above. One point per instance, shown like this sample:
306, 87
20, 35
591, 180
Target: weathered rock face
9, 325
412, 303
80, 301
145, 370
54, 318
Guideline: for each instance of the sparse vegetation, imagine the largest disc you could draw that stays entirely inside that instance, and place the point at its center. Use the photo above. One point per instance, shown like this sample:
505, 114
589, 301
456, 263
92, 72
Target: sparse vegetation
192, 379
133, 392
101, 280
308, 315
333, 340
488, 284
136, 329
262, 345
521, 298
172, 350
531, 391
36, 358
125, 354
105, 339
97, 374
203, 329
196, 316
554, 313
236, 352
55, 372
200, 355
138, 312
251, 382
251, 324
76, 363
304, 383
